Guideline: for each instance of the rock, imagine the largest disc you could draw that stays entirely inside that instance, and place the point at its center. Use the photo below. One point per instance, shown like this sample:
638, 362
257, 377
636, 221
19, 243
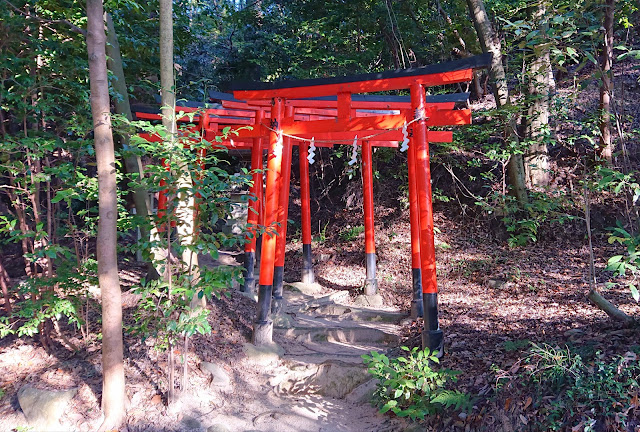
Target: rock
252, 296
369, 301
43, 408
334, 380
496, 283
218, 428
332, 309
311, 289
264, 355
323, 257
219, 377
363, 393
191, 423
283, 321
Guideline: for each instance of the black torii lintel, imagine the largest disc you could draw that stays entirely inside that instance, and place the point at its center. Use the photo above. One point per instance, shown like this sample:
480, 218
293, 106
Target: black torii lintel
475, 62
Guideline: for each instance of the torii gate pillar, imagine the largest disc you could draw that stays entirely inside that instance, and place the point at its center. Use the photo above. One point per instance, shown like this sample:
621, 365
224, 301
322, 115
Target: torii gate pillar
255, 208
370, 283
263, 326
283, 213
305, 208
432, 336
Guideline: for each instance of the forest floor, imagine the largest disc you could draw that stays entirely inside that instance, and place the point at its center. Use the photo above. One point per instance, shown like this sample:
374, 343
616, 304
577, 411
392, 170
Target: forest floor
494, 302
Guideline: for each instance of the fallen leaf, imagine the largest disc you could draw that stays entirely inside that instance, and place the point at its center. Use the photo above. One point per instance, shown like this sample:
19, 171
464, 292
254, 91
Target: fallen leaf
523, 419
507, 403
156, 399
527, 403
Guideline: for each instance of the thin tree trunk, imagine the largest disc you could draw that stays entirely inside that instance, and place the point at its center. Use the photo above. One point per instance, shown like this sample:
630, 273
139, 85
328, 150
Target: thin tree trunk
4, 285
113, 382
537, 120
185, 207
491, 44
132, 162
606, 88
169, 122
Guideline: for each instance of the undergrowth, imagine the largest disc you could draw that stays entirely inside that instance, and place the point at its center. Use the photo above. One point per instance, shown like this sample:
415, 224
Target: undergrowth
582, 391
410, 387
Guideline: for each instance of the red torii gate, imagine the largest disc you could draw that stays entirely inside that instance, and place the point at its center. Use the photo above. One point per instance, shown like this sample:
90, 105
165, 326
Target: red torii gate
284, 122
378, 104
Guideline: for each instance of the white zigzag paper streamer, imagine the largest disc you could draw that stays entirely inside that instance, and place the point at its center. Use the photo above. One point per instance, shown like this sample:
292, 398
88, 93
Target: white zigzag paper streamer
312, 151
354, 152
277, 149
405, 141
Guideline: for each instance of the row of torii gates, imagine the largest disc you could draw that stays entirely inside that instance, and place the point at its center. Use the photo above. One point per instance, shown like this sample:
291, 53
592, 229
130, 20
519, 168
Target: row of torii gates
319, 113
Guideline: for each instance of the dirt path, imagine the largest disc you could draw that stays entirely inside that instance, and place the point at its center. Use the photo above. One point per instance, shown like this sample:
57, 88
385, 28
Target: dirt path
312, 380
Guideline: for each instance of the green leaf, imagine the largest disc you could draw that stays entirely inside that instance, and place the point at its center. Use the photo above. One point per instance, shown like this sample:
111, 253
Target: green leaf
634, 292
386, 407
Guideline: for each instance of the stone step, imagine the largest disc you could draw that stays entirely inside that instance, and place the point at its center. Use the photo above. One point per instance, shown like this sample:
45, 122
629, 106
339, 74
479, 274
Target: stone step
340, 334
348, 320
317, 352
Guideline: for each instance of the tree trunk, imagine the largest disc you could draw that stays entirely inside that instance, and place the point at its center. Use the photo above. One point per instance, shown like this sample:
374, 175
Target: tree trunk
113, 393
537, 120
132, 162
606, 88
4, 285
491, 44
186, 203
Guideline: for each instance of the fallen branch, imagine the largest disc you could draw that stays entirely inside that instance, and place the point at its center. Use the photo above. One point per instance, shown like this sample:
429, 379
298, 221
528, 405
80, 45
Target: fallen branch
608, 308
595, 297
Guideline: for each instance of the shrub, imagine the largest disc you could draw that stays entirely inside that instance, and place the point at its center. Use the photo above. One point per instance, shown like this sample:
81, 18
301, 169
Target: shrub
599, 394
409, 387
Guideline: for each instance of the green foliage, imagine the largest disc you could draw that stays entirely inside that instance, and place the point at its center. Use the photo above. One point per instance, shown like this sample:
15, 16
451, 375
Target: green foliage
583, 395
321, 237
167, 311
628, 262
523, 222
410, 387
351, 233
515, 345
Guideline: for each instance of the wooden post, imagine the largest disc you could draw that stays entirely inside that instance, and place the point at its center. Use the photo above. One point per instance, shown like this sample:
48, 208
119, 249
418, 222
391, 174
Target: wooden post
370, 283
432, 337
414, 218
263, 326
283, 213
305, 210
254, 211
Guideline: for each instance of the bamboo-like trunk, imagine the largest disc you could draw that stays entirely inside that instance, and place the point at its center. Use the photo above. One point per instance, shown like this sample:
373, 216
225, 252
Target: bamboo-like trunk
113, 381
491, 44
